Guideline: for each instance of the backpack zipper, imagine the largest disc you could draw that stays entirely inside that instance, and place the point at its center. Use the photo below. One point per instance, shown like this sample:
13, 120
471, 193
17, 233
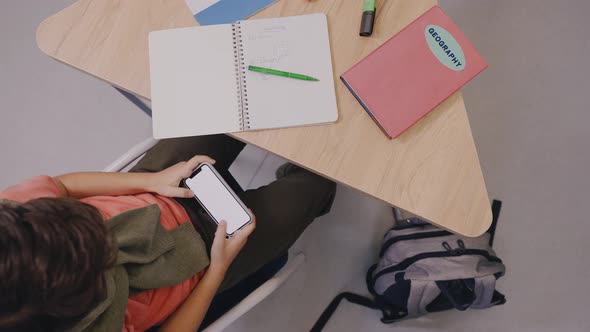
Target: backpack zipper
415, 236
411, 260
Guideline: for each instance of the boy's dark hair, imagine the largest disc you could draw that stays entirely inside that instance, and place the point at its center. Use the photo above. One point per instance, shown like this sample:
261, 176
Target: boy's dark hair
53, 255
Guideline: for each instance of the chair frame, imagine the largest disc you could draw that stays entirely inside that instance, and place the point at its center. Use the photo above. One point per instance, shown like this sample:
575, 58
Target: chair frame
260, 293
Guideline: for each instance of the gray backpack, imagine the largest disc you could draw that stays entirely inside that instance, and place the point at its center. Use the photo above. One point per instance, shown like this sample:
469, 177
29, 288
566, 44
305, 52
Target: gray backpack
424, 269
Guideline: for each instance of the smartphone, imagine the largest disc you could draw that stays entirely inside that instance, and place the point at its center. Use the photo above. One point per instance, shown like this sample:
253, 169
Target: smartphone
217, 198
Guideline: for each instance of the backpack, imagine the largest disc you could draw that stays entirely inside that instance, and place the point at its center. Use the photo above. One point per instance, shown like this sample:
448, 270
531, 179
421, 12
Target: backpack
424, 269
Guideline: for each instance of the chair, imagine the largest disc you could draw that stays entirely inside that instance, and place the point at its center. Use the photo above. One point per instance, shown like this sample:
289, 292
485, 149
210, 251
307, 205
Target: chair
247, 293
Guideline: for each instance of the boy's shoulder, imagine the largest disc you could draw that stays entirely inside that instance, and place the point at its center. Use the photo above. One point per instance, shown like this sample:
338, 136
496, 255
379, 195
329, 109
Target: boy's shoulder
35, 187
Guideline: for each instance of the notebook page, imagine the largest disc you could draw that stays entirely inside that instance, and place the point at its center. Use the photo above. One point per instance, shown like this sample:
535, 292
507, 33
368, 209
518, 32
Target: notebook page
193, 81
298, 44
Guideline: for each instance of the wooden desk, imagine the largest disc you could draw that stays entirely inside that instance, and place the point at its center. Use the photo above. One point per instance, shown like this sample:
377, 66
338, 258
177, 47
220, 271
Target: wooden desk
431, 170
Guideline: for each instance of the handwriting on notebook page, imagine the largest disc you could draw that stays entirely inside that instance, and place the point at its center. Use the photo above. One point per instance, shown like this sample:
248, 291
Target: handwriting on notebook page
275, 50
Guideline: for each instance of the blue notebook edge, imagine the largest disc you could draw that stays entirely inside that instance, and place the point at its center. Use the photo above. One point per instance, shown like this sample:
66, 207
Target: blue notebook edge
229, 11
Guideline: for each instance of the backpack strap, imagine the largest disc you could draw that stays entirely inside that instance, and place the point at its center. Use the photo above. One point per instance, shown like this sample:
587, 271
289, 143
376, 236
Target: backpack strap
390, 314
484, 292
369, 280
498, 298
459, 292
331, 308
496, 207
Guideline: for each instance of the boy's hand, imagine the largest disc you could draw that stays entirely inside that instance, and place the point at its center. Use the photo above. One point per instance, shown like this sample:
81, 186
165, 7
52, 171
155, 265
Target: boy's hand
165, 182
224, 250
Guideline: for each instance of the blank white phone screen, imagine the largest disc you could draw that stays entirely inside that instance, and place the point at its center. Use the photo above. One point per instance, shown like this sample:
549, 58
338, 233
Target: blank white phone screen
217, 199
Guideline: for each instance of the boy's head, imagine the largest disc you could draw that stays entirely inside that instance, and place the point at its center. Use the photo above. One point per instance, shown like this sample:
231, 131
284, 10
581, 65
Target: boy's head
53, 255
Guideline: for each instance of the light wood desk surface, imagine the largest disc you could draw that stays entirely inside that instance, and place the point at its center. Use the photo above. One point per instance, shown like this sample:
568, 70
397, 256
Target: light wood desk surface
432, 170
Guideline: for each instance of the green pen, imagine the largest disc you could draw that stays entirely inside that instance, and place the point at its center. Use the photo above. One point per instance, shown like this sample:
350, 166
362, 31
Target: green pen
281, 73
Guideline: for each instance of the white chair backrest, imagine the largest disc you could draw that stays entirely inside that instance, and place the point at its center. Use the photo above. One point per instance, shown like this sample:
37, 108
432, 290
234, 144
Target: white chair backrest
131, 155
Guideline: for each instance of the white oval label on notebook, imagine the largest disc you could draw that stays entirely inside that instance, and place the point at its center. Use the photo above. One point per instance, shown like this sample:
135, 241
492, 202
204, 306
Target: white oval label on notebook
444, 46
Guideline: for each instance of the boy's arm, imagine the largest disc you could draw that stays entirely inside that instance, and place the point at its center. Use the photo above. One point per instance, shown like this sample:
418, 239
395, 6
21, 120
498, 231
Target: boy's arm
191, 313
165, 183
223, 251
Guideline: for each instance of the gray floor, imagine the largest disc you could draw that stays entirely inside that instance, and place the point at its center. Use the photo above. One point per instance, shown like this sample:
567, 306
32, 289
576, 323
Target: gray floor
529, 113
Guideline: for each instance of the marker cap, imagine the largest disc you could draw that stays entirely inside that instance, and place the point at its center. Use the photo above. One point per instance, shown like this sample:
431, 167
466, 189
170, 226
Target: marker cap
367, 23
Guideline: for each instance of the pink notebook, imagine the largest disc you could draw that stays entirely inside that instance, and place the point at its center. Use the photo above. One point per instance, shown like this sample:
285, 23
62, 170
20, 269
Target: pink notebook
414, 71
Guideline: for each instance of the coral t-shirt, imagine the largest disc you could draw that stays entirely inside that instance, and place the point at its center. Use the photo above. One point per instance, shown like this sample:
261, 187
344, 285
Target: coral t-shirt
147, 308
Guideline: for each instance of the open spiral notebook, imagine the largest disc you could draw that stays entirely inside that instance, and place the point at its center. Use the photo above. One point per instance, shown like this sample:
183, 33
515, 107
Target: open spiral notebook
201, 85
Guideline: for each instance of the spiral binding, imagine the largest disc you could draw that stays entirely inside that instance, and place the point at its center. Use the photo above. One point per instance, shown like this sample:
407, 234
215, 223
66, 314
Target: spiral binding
241, 77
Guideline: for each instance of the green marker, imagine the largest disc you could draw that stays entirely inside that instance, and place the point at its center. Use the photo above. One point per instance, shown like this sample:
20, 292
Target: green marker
368, 19
281, 73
